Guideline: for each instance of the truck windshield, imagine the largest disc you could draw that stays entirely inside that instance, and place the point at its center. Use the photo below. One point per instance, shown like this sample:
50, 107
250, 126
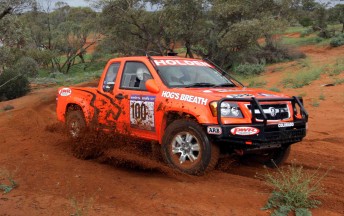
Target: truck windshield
193, 76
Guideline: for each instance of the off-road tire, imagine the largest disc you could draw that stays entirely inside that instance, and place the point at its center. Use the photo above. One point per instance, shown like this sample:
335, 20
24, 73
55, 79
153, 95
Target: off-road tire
208, 153
277, 157
83, 144
75, 124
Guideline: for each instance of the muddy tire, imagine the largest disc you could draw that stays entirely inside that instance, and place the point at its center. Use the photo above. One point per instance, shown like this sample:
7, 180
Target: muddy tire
84, 145
186, 147
75, 124
276, 158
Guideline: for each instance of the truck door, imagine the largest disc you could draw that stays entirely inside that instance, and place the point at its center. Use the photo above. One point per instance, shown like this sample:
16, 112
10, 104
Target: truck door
139, 104
108, 110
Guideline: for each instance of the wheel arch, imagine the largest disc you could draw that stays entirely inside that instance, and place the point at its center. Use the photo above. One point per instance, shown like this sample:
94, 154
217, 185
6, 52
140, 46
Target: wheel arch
75, 106
170, 116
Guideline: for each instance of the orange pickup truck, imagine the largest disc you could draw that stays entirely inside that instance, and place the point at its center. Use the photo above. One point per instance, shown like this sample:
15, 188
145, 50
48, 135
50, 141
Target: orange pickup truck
194, 110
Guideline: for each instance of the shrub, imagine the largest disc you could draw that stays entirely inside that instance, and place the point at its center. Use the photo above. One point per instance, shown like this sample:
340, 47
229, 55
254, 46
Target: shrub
249, 69
275, 89
337, 41
306, 32
8, 107
13, 85
294, 190
27, 66
303, 78
278, 53
306, 21
257, 84
326, 33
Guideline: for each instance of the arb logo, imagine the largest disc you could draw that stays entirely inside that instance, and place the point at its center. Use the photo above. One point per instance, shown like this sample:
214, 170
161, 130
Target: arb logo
65, 92
244, 131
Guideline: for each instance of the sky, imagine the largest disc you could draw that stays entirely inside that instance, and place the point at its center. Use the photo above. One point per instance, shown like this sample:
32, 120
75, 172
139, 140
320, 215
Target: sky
75, 3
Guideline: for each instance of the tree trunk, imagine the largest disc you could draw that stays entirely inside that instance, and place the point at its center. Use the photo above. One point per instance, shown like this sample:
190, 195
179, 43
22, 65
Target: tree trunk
269, 40
81, 56
5, 12
188, 49
343, 28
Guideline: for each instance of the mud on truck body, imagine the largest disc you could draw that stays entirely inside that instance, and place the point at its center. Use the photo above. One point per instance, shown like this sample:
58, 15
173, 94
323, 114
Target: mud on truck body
190, 108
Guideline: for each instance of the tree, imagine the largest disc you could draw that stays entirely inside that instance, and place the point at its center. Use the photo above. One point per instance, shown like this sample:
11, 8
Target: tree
337, 14
13, 6
186, 21
131, 29
63, 34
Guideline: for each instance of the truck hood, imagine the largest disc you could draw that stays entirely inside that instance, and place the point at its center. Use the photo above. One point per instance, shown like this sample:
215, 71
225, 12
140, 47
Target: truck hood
218, 93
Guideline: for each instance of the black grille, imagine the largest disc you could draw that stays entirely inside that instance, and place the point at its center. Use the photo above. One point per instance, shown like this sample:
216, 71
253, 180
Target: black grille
281, 111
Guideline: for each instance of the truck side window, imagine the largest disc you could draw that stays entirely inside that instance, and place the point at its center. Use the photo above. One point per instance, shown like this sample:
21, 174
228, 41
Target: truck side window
110, 78
135, 75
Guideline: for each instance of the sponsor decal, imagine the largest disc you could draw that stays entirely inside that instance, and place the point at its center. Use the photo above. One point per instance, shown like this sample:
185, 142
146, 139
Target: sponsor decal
207, 91
184, 97
142, 112
288, 124
239, 95
171, 62
214, 130
244, 131
65, 92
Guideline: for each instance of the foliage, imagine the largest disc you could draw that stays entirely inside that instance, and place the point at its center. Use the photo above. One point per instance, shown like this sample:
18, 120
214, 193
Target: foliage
10, 184
294, 189
7, 107
303, 78
337, 41
81, 208
13, 85
257, 84
249, 69
321, 96
275, 89
315, 103
27, 66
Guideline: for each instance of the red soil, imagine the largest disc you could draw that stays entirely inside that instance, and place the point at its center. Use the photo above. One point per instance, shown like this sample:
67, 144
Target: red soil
36, 152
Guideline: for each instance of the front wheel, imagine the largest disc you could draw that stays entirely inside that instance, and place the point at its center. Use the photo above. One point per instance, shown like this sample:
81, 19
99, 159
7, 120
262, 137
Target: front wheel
276, 157
186, 147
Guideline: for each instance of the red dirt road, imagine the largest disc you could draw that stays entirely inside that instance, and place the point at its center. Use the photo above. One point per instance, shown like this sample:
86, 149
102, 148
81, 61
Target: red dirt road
53, 182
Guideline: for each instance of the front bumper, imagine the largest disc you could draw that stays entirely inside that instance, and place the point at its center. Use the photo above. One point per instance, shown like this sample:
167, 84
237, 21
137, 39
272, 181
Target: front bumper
268, 136
261, 134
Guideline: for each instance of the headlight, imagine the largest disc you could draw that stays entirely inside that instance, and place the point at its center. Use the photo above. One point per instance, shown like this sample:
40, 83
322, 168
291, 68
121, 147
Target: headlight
228, 109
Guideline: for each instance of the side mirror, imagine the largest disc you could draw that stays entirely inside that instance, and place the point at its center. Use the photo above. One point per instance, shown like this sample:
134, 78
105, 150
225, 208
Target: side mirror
152, 86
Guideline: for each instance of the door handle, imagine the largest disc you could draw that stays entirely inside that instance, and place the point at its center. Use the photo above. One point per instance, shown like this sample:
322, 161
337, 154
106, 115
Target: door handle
119, 96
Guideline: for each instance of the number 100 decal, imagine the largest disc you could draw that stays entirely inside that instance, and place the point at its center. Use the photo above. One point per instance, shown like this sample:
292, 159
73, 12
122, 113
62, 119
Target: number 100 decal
142, 112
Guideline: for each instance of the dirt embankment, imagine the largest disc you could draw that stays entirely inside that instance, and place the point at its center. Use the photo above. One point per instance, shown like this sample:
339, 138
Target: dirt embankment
36, 152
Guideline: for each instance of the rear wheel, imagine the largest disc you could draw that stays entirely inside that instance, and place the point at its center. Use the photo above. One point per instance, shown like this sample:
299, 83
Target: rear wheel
187, 148
84, 145
75, 123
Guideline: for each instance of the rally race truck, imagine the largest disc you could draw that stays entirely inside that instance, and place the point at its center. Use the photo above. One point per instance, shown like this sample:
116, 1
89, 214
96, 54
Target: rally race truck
190, 108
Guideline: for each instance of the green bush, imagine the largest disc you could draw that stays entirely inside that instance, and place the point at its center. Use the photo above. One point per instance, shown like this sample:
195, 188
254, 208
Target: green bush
27, 66
306, 32
337, 41
306, 21
294, 190
13, 85
249, 69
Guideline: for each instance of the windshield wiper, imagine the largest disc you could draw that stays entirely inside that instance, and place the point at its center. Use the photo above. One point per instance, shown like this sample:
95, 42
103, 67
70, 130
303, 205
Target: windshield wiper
225, 85
200, 85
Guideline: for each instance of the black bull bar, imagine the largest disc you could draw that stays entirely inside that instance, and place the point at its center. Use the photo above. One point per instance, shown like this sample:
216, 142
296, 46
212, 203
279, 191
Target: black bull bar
255, 103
